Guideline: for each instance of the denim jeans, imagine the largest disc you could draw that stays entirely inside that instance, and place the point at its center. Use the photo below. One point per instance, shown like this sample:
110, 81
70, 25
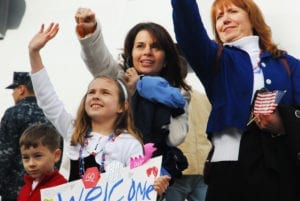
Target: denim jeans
188, 187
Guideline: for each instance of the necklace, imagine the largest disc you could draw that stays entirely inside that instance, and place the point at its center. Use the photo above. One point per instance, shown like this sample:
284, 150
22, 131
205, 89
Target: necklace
84, 146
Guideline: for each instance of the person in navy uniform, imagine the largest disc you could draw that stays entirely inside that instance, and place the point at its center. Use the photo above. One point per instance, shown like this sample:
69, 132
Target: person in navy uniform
15, 120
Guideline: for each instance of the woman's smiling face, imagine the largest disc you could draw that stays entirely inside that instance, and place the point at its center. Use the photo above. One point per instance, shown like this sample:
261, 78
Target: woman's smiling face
148, 56
232, 23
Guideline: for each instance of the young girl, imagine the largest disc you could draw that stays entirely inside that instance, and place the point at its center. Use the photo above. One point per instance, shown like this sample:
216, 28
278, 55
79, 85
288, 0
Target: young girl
103, 131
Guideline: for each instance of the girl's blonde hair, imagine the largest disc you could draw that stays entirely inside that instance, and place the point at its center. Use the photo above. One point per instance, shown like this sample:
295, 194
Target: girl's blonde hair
260, 27
124, 122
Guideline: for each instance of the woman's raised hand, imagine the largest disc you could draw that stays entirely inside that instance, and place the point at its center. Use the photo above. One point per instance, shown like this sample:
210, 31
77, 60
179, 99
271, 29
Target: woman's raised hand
86, 21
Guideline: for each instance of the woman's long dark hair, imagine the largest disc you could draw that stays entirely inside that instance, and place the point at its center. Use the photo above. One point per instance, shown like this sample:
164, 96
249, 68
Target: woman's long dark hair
173, 63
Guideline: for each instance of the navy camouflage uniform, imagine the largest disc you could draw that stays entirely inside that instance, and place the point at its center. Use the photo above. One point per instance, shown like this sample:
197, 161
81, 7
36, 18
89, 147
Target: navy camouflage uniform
14, 121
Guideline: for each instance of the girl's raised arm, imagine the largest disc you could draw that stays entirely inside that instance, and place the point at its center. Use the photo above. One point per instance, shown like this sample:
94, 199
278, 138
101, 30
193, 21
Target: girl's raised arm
38, 42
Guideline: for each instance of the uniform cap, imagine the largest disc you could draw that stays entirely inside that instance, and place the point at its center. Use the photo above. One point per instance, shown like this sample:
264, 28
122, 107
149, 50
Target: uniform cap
20, 78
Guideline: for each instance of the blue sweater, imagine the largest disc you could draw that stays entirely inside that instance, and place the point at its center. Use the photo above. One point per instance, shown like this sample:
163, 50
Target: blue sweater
230, 89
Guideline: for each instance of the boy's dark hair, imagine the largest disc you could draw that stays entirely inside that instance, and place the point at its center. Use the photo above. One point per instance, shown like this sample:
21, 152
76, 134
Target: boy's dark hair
40, 134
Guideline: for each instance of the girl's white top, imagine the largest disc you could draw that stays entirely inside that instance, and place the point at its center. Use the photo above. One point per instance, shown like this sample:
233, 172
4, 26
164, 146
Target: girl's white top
121, 149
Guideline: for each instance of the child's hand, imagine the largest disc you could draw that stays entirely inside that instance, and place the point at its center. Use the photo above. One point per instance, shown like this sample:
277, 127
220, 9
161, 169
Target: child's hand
42, 37
161, 184
38, 42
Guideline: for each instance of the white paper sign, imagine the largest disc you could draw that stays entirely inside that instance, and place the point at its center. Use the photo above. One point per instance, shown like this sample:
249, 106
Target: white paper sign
128, 184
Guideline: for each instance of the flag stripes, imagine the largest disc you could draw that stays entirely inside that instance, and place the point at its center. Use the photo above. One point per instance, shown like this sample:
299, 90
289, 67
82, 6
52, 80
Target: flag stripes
267, 101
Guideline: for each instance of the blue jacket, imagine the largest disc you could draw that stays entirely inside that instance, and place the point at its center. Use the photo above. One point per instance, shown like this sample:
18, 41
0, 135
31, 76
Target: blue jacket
230, 89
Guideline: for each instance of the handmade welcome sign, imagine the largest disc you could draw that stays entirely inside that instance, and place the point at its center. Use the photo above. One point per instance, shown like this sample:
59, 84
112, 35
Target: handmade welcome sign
117, 184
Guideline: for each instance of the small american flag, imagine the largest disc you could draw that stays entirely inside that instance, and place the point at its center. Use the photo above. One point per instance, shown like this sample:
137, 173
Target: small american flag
267, 101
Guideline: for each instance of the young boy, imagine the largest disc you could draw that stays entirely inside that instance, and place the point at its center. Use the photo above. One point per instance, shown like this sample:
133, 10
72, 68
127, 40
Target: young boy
40, 150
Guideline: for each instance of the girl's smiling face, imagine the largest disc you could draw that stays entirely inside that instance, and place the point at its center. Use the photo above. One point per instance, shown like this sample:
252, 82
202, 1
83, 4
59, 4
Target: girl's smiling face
102, 100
